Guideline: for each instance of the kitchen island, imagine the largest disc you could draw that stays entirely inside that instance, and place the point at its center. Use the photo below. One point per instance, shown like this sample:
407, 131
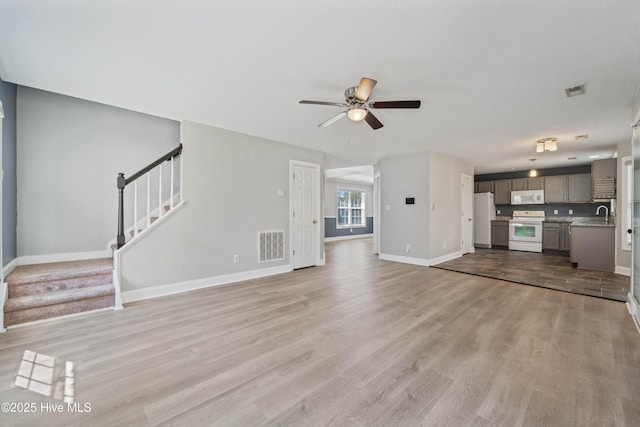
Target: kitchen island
593, 244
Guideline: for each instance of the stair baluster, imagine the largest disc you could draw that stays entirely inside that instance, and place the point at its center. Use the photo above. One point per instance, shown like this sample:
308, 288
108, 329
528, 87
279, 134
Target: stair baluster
122, 182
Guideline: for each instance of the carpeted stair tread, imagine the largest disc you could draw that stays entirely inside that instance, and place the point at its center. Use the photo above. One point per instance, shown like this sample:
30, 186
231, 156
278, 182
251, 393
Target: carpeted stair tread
57, 271
78, 282
56, 310
58, 297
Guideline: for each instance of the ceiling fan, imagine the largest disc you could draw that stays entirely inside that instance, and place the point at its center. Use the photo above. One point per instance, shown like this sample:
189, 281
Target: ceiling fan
358, 106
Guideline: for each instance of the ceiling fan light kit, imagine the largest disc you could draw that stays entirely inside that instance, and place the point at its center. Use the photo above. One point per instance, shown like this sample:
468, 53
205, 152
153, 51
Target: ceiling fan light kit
358, 107
356, 113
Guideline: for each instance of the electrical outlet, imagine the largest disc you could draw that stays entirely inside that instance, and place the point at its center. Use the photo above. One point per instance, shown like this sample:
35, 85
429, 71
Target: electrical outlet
408, 248
236, 258
555, 211
498, 211
570, 211
387, 207
444, 245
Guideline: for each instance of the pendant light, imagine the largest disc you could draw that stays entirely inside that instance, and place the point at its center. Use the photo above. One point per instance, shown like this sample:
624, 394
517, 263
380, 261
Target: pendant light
533, 172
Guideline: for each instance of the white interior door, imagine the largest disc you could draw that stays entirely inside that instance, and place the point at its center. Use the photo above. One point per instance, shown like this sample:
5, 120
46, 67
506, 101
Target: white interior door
466, 220
305, 213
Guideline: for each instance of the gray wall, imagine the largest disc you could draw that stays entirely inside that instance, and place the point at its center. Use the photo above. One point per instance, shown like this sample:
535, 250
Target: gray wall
623, 258
9, 183
445, 196
330, 210
402, 177
231, 181
69, 154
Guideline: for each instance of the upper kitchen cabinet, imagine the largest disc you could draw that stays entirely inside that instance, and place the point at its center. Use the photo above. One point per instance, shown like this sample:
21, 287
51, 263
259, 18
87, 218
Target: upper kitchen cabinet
502, 192
535, 184
604, 174
579, 186
485, 187
555, 189
527, 184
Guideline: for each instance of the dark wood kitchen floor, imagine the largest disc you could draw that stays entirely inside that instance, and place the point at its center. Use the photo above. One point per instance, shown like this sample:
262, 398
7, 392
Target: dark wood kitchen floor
552, 271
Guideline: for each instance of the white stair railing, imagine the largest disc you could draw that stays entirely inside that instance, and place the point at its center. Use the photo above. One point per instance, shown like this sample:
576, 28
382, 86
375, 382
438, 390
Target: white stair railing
150, 172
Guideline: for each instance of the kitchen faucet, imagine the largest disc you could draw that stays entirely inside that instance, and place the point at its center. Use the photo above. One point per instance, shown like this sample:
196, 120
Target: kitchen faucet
606, 212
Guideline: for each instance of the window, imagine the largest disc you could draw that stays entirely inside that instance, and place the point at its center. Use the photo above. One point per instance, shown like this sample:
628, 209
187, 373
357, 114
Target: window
351, 208
626, 203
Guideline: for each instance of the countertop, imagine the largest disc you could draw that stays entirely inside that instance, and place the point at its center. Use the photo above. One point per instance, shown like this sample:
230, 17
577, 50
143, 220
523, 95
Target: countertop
575, 221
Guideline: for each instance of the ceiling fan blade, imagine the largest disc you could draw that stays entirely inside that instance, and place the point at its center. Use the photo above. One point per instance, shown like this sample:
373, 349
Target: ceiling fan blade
336, 104
332, 120
365, 88
372, 121
395, 104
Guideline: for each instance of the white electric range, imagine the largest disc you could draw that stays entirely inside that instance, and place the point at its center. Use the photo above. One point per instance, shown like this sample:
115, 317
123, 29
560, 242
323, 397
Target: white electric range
525, 231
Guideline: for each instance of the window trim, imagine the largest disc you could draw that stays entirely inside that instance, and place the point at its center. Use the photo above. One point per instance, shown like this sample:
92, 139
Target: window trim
363, 208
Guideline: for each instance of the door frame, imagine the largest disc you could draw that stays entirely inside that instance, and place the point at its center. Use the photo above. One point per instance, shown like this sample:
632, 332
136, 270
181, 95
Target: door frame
468, 247
376, 212
319, 250
3, 290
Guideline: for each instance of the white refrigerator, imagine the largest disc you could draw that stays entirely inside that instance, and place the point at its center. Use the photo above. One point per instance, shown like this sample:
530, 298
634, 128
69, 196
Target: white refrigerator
484, 211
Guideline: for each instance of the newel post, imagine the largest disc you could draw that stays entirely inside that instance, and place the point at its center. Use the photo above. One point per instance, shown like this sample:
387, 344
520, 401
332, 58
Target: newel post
121, 182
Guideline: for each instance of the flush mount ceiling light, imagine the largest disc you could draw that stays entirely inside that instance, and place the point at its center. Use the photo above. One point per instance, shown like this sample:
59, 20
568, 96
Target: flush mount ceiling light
546, 144
575, 91
533, 172
356, 113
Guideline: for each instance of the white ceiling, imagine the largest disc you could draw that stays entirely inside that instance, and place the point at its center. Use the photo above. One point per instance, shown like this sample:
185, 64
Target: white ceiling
491, 74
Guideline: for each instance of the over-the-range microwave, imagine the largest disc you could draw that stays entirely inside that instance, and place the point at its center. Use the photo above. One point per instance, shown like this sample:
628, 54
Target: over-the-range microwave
527, 197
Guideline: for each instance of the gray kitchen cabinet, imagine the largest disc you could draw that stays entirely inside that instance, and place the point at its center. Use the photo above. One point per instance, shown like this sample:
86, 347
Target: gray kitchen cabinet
519, 184
535, 184
604, 168
551, 236
499, 233
593, 247
485, 187
555, 189
579, 186
527, 184
502, 192
565, 236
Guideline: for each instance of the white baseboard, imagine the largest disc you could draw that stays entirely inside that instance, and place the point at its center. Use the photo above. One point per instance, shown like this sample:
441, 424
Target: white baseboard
420, 261
61, 257
349, 237
10, 267
625, 271
444, 258
404, 259
207, 282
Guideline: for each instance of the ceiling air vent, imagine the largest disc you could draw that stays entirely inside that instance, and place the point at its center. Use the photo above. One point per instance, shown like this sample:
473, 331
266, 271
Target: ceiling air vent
575, 91
582, 137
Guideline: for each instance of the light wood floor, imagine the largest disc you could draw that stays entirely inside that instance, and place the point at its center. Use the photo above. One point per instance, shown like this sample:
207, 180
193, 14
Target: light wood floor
357, 342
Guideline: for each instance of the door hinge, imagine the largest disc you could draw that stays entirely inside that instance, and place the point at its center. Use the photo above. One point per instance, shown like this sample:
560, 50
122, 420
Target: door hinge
294, 214
294, 251
294, 176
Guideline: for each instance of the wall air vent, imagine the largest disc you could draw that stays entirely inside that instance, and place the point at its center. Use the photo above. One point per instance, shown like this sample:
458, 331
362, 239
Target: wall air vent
270, 246
575, 91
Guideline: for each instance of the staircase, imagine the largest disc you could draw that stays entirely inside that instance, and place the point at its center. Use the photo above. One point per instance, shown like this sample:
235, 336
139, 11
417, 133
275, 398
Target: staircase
43, 291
